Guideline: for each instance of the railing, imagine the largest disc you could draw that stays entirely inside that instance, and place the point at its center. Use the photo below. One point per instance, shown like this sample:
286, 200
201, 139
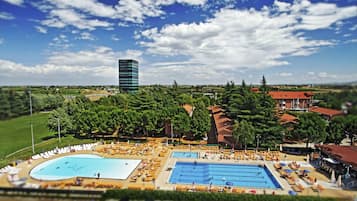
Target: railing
52, 193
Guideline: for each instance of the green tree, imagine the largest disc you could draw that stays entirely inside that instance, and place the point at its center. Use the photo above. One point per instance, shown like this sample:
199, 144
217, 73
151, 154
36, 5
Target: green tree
181, 123
5, 107
243, 133
88, 121
311, 127
64, 120
336, 130
351, 127
131, 121
264, 86
200, 123
103, 123
149, 119
184, 99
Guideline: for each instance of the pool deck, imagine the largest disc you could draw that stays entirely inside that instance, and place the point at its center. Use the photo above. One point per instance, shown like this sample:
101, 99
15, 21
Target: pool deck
164, 176
155, 169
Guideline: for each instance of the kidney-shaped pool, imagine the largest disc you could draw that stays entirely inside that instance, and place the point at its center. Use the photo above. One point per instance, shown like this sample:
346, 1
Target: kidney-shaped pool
84, 165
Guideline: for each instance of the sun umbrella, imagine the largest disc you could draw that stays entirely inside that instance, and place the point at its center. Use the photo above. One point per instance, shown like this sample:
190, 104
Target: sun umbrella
307, 171
253, 191
333, 178
228, 183
339, 181
288, 171
293, 193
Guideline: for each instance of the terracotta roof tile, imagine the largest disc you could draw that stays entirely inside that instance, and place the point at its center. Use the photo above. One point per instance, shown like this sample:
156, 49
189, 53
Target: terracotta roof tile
188, 108
346, 154
223, 124
287, 118
290, 94
326, 111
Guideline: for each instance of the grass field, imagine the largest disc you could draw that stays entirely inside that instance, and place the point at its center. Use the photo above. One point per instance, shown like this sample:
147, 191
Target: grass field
15, 133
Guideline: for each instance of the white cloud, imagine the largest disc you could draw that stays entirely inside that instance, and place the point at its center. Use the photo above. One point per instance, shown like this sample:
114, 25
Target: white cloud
6, 16
353, 28
100, 56
115, 37
85, 36
15, 2
41, 29
98, 66
354, 40
246, 39
326, 75
285, 74
61, 13
316, 78
60, 42
137, 11
311, 73
60, 18
183, 73
122, 24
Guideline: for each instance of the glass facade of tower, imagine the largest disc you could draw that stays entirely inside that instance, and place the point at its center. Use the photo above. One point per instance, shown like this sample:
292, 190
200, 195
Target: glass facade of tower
128, 75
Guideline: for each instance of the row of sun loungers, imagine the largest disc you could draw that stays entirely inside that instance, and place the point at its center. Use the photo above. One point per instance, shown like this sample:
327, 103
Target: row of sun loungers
294, 166
148, 169
298, 188
49, 154
5, 169
16, 181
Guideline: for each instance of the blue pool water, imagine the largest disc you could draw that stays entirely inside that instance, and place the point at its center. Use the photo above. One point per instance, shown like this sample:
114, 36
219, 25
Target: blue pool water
251, 176
84, 165
180, 154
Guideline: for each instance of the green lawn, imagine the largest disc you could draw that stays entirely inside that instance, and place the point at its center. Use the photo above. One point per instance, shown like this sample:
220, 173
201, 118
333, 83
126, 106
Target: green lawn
15, 133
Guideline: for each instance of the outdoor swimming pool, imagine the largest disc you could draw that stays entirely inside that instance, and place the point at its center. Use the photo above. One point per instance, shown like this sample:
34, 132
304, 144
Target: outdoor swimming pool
241, 175
84, 165
180, 154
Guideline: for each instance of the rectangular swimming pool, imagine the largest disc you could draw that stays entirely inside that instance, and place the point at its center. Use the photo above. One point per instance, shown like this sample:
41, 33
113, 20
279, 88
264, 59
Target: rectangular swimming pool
252, 176
181, 154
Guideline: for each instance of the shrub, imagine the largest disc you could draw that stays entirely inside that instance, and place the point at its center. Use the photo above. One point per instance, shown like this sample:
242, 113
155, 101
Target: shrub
202, 196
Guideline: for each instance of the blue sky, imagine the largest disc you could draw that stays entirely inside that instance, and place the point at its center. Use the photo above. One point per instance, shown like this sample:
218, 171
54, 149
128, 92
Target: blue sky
66, 42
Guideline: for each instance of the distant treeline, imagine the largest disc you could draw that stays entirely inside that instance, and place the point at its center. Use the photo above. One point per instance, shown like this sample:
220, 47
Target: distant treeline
336, 100
16, 103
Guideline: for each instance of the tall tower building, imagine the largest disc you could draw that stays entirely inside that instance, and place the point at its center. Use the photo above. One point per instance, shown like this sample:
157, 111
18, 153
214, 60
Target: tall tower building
128, 75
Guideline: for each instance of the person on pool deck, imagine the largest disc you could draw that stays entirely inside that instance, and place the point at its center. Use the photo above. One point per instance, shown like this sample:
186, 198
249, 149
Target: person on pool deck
98, 175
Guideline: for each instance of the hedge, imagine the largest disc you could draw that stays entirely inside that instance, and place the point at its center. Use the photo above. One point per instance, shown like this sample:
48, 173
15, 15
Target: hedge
126, 194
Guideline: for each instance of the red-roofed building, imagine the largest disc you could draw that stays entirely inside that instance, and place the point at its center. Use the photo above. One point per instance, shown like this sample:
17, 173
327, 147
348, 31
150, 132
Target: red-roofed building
327, 113
221, 128
287, 118
189, 109
255, 89
292, 100
340, 154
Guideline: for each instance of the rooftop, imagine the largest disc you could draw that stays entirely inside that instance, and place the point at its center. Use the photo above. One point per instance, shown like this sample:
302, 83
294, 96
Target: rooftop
223, 125
287, 118
345, 154
290, 94
189, 109
326, 111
